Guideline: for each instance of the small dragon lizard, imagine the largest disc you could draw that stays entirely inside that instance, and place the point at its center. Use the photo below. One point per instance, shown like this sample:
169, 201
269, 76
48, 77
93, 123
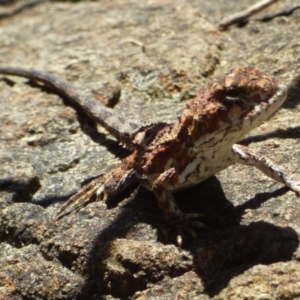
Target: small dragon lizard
169, 157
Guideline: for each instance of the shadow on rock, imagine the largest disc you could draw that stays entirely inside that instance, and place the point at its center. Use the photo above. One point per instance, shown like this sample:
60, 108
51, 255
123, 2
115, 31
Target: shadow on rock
231, 252
125, 257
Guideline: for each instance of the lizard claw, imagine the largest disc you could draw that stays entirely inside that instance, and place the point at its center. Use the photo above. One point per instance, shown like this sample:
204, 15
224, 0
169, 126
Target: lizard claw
186, 223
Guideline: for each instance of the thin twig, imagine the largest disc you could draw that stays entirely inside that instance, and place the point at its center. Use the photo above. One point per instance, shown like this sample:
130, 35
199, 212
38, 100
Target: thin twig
286, 12
243, 15
10, 11
134, 41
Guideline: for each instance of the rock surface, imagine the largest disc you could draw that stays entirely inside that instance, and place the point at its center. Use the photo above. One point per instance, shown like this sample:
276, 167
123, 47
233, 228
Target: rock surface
147, 59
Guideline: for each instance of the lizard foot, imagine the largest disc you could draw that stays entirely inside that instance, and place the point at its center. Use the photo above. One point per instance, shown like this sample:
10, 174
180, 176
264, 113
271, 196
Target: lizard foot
185, 223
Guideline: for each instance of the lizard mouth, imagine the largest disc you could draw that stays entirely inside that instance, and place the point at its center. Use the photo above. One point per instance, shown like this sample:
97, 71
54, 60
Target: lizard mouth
269, 105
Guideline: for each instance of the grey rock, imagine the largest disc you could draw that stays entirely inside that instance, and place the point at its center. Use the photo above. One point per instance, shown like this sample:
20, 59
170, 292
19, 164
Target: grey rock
147, 60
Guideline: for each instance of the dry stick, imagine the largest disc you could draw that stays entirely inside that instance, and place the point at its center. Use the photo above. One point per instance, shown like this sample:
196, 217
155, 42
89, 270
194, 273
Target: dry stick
244, 14
134, 41
286, 12
10, 11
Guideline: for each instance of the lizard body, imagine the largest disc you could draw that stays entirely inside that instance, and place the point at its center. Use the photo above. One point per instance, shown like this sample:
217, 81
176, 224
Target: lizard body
169, 157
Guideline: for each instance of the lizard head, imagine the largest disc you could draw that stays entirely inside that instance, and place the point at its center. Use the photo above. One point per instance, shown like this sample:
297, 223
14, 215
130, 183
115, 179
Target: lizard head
237, 101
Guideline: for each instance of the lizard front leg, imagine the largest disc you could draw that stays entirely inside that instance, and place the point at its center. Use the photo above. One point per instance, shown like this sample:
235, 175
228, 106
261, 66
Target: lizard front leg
245, 156
110, 184
166, 202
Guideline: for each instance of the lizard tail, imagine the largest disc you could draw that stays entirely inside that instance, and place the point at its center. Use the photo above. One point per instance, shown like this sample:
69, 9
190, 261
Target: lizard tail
116, 125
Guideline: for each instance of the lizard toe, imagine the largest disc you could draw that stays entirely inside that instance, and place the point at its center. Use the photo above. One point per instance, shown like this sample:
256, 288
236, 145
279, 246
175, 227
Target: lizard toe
184, 225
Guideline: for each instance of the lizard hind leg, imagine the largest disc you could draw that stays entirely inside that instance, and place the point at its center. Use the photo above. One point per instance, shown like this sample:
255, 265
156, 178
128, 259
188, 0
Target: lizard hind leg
110, 184
85, 195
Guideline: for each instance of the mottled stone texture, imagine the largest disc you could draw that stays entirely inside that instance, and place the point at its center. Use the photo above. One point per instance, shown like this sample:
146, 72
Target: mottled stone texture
147, 59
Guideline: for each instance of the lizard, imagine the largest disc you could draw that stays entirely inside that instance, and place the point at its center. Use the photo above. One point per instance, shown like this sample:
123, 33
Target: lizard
201, 142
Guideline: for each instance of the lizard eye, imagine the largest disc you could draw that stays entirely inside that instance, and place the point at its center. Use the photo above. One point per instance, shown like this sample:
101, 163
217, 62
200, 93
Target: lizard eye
233, 95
